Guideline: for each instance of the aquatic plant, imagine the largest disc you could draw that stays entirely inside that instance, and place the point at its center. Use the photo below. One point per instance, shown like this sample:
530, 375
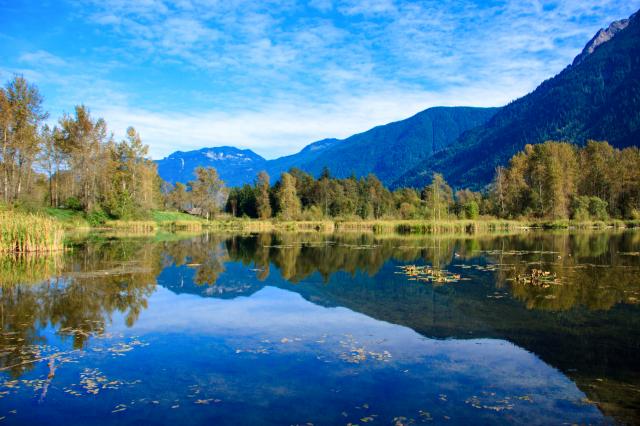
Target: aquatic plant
25, 233
133, 225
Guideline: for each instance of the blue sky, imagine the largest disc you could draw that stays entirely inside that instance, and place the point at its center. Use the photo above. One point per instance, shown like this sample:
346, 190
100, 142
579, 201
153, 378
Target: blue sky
275, 75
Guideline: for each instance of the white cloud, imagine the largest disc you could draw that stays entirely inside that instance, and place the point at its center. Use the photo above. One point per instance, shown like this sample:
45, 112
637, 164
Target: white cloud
281, 128
40, 58
279, 74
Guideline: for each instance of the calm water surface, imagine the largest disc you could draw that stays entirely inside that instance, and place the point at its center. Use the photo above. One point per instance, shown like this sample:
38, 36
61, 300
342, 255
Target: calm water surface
324, 329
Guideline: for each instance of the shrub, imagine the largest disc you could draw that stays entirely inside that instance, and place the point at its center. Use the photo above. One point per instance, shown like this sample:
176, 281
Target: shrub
97, 217
598, 208
73, 203
471, 210
580, 208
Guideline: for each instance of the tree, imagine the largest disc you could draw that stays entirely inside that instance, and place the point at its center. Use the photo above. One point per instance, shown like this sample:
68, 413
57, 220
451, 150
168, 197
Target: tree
179, 197
263, 203
20, 116
133, 178
438, 196
287, 196
83, 139
50, 160
207, 191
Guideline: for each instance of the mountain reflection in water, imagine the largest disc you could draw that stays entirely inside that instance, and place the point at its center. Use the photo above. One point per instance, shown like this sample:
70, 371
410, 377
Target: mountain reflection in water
296, 328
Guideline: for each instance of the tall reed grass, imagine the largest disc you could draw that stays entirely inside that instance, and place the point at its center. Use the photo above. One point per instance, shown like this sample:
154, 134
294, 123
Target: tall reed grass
185, 226
424, 227
136, 226
28, 233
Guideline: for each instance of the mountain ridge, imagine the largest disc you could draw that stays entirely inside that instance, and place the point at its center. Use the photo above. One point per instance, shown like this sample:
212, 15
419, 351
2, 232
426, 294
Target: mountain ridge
410, 140
597, 98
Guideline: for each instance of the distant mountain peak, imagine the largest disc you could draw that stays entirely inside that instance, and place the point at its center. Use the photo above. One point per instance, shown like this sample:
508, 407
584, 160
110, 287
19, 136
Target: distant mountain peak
602, 36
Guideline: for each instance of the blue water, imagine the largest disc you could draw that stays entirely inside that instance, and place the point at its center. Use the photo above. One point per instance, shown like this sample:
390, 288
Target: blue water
315, 349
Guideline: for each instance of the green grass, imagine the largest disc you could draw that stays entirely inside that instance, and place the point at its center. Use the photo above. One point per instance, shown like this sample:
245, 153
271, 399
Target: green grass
29, 233
67, 218
169, 216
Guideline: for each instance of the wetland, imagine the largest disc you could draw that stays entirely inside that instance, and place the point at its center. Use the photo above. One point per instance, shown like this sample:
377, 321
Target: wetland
539, 327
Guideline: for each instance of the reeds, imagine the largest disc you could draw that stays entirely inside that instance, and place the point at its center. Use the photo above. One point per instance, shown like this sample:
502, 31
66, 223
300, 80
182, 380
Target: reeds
28, 233
186, 226
427, 227
136, 226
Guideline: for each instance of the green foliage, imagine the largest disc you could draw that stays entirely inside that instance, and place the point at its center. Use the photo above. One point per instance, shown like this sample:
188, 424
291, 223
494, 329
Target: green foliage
97, 217
438, 197
387, 151
580, 208
472, 210
73, 203
263, 199
207, 191
556, 181
289, 205
595, 99
598, 208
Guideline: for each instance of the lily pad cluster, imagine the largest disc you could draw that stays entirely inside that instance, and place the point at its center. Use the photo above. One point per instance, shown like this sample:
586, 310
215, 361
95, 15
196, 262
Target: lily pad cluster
538, 278
429, 274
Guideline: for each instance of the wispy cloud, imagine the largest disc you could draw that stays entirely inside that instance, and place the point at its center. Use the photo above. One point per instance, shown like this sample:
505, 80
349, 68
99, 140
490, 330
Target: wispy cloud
274, 75
41, 58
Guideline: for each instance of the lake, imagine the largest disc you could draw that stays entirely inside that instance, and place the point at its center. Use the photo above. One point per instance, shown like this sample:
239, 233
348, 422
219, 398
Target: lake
284, 329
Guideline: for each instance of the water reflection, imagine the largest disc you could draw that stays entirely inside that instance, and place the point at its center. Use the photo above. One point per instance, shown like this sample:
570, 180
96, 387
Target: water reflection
586, 325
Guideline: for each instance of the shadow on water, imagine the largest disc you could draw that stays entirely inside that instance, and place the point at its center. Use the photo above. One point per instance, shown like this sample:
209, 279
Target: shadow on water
584, 320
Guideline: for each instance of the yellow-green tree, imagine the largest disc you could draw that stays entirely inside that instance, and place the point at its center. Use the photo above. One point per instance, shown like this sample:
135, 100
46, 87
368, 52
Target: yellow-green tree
207, 191
263, 203
287, 196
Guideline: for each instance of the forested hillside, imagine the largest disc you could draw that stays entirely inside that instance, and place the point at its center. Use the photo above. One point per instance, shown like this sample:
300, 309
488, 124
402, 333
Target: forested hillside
388, 151
596, 98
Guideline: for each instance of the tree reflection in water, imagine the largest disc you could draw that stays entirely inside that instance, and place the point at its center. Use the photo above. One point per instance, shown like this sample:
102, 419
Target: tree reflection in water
78, 293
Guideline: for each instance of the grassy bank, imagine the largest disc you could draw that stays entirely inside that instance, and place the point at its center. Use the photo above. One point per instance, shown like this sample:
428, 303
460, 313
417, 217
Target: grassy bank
571, 224
29, 233
18, 229
374, 226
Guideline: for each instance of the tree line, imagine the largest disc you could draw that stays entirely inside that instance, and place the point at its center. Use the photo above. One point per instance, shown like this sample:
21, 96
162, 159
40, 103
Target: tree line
75, 164
78, 164
300, 196
559, 180
551, 180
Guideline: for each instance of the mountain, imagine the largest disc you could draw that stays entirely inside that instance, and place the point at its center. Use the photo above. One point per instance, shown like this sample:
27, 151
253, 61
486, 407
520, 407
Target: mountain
233, 165
307, 155
388, 150
596, 97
